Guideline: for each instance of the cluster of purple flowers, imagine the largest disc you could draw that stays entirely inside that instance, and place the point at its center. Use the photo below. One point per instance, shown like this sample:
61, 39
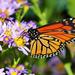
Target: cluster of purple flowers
9, 7
19, 70
12, 32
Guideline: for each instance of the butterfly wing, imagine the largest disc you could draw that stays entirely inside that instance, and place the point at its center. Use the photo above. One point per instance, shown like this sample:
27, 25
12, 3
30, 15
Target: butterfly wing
54, 27
58, 31
45, 46
51, 39
62, 36
71, 22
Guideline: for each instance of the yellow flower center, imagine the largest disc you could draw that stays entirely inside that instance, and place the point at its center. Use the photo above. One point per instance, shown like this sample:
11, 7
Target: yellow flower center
2, 19
14, 73
6, 12
19, 41
19, 67
6, 39
8, 33
20, 1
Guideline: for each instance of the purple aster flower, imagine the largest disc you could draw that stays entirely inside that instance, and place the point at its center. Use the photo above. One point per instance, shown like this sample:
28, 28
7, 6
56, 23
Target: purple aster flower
6, 39
21, 69
16, 71
8, 7
15, 34
18, 36
12, 71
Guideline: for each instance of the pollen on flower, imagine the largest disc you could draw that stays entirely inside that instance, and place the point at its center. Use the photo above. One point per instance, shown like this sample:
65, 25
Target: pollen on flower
14, 73
20, 67
19, 41
20, 1
6, 39
2, 20
7, 33
4, 14
7, 13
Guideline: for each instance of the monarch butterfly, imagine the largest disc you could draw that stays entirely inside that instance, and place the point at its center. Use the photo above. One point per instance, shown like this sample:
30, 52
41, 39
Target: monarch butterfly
49, 40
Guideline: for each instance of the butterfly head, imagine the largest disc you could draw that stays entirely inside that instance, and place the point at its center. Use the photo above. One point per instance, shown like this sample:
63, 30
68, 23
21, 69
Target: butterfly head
33, 33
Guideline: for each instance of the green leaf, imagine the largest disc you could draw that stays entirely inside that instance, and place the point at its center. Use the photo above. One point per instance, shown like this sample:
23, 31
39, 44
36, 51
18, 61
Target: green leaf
68, 68
71, 7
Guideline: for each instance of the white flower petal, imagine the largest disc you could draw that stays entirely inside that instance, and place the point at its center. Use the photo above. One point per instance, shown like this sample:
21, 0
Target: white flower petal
4, 25
26, 48
23, 50
1, 70
0, 48
2, 73
9, 45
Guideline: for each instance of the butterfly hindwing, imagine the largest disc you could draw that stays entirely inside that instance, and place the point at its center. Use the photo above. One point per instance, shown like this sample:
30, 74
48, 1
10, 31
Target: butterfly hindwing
62, 36
45, 45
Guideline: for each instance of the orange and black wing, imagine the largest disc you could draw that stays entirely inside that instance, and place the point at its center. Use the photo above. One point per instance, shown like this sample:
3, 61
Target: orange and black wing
70, 22
45, 46
54, 27
59, 31
62, 36
51, 39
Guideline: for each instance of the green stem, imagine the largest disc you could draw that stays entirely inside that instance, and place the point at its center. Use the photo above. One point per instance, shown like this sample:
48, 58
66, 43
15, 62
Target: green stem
68, 68
16, 62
